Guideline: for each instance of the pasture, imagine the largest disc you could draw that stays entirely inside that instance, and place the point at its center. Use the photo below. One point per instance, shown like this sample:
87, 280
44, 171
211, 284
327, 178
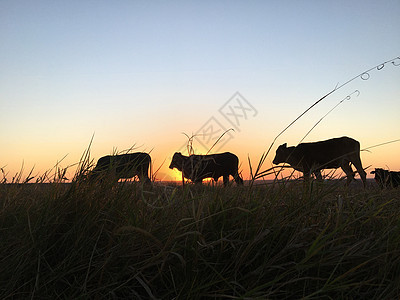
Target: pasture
270, 240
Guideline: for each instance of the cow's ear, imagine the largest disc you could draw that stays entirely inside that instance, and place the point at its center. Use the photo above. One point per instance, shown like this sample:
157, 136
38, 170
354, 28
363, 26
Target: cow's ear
285, 145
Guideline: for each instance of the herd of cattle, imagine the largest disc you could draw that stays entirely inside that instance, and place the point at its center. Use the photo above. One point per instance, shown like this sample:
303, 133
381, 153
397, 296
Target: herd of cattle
308, 158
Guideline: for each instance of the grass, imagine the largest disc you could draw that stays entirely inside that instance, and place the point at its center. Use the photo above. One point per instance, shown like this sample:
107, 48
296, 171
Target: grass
270, 241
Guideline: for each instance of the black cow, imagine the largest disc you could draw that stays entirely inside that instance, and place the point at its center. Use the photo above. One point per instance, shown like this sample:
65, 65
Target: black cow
198, 167
386, 179
123, 166
330, 154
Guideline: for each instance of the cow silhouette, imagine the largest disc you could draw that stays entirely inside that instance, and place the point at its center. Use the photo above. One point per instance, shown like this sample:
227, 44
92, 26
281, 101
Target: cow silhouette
386, 179
198, 167
123, 166
311, 158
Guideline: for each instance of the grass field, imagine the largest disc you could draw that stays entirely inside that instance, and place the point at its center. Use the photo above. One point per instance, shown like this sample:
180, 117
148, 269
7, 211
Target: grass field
285, 240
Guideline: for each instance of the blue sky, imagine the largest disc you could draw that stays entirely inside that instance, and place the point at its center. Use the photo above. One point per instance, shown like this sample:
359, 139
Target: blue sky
140, 72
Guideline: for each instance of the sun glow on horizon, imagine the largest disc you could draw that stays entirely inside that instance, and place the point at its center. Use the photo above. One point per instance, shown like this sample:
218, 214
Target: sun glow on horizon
133, 86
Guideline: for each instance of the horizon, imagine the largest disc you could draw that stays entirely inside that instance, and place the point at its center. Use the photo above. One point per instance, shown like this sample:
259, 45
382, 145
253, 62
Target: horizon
286, 172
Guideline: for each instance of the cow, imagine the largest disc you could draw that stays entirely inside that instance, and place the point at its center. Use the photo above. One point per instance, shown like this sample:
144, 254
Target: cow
311, 158
198, 167
123, 166
386, 179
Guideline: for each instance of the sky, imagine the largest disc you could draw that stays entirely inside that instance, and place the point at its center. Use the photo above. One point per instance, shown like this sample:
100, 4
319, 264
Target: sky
150, 74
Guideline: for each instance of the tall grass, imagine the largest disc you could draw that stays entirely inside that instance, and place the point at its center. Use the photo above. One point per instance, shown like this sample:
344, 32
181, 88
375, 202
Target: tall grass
282, 240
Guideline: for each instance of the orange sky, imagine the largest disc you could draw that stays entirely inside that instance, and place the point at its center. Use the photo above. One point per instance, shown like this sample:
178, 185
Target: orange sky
141, 74
163, 135
385, 156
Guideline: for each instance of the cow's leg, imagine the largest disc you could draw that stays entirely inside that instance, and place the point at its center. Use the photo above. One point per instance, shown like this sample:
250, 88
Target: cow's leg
318, 175
396, 180
226, 180
215, 179
237, 178
349, 172
307, 176
144, 178
387, 181
357, 163
380, 182
390, 180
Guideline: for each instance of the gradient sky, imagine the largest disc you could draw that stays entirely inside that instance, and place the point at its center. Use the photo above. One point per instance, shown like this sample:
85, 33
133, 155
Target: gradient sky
142, 73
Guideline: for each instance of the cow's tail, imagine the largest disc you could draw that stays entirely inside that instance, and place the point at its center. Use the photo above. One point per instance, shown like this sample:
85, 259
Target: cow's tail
150, 169
237, 177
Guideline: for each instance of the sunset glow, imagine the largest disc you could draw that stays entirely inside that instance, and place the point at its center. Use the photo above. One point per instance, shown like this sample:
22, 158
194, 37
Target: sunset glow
142, 74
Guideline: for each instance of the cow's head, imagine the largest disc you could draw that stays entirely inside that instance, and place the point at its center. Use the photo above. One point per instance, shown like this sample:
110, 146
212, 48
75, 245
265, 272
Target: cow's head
281, 154
177, 161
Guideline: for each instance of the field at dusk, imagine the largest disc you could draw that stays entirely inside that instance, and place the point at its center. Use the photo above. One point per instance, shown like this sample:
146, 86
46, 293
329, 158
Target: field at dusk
283, 239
